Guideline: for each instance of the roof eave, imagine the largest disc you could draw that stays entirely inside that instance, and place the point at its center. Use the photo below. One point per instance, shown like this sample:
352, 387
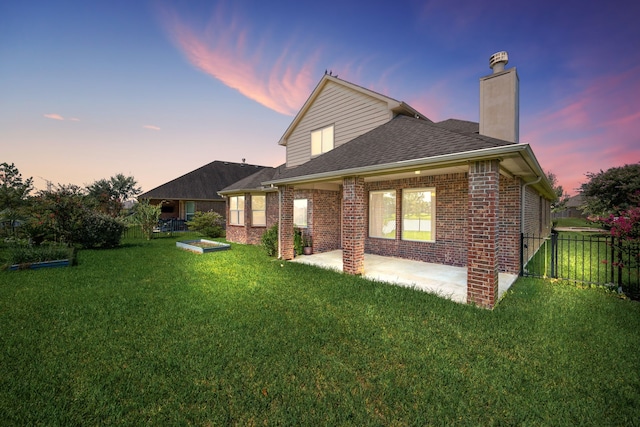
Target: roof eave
522, 150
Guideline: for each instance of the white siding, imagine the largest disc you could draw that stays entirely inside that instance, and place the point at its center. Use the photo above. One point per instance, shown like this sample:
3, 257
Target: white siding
352, 113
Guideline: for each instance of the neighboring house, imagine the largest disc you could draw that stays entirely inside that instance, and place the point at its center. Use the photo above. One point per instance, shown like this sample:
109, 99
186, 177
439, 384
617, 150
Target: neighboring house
366, 173
198, 190
572, 209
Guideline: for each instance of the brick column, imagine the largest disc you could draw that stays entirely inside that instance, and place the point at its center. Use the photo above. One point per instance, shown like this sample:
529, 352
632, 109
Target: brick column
482, 233
285, 224
354, 225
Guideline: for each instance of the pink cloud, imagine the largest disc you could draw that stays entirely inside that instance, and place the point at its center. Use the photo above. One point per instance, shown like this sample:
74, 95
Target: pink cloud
151, 127
223, 51
597, 128
53, 116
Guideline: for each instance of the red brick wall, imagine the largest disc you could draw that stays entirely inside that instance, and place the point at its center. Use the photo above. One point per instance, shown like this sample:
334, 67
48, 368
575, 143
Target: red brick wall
285, 232
509, 256
323, 211
249, 234
451, 221
354, 225
483, 228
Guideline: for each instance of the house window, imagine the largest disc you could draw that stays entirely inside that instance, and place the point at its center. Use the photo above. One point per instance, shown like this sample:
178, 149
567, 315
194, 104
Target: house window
258, 210
236, 210
190, 210
300, 213
382, 214
321, 140
418, 214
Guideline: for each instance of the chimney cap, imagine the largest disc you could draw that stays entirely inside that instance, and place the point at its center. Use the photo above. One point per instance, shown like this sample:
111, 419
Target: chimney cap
498, 60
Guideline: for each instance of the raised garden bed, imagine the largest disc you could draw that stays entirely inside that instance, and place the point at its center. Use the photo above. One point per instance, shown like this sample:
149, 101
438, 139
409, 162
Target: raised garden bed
203, 246
38, 265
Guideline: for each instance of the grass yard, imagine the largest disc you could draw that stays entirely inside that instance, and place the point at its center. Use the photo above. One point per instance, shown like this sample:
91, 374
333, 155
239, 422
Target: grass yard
150, 334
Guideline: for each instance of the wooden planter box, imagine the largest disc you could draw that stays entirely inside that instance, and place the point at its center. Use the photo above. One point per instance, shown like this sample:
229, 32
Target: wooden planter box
202, 246
43, 264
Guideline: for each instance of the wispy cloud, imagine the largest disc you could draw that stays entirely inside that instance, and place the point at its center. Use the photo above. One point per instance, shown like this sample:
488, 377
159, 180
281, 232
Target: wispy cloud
151, 127
53, 116
59, 117
226, 51
595, 129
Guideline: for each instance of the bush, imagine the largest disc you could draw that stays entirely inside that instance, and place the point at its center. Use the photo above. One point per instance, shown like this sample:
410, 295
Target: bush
99, 230
270, 240
298, 244
146, 216
211, 224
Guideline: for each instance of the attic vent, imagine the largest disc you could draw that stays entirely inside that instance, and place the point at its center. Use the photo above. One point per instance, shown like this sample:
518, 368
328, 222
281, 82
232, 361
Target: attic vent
498, 60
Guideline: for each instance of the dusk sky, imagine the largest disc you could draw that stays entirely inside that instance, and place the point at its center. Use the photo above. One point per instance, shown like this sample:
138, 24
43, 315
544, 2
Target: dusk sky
155, 89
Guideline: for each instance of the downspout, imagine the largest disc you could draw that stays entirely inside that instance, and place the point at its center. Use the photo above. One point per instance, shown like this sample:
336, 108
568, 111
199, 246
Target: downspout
279, 221
522, 197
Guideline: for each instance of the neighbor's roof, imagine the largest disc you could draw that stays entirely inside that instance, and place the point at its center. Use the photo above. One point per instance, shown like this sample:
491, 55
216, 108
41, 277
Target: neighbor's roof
203, 183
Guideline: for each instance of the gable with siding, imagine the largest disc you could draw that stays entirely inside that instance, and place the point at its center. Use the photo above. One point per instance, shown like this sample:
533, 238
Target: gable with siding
351, 109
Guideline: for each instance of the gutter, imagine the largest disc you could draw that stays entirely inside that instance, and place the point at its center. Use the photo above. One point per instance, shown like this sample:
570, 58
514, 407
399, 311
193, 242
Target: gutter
482, 154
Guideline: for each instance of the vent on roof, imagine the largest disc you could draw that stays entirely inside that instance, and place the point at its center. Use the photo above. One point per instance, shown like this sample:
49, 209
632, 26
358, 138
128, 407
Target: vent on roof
498, 60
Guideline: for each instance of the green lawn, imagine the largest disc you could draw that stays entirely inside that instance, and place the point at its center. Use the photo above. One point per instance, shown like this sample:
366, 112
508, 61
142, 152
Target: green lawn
150, 334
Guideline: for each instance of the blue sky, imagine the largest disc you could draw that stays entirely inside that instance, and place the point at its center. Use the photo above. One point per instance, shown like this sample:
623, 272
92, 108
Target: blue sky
155, 89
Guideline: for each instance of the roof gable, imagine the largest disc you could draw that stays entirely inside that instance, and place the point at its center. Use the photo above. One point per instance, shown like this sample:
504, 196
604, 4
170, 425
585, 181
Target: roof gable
393, 105
202, 183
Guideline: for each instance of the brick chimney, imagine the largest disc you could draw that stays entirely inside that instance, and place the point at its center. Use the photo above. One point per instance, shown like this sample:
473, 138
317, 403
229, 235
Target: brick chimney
499, 100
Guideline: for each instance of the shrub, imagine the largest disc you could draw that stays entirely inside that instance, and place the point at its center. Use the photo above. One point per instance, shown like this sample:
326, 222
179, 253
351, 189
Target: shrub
298, 244
270, 240
146, 216
211, 224
99, 230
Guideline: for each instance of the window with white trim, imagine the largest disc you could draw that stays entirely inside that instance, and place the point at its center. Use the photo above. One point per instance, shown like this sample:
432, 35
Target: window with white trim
300, 213
382, 214
419, 214
321, 140
236, 210
190, 210
258, 209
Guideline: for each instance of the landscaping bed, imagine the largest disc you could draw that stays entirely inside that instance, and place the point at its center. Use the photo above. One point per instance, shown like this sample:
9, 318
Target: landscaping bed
202, 245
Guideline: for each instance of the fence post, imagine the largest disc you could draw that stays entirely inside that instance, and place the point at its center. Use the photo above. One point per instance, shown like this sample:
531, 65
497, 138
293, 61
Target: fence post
554, 254
521, 254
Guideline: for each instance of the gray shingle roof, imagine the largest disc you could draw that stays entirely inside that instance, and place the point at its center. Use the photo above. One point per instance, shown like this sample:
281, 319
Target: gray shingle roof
401, 139
203, 183
462, 126
254, 182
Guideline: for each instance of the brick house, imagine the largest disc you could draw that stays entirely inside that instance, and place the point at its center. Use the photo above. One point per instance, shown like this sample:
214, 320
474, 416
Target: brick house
197, 190
366, 173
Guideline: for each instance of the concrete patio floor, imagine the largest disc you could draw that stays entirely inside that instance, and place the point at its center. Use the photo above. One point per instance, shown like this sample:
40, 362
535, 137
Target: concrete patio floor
443, 280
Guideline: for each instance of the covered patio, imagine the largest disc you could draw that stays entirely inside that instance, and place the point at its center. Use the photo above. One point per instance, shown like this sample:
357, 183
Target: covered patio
443, 280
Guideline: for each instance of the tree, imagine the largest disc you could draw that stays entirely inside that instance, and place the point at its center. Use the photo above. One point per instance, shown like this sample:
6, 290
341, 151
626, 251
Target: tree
14, 193
146, 216
562, 198
108, 195
612, 191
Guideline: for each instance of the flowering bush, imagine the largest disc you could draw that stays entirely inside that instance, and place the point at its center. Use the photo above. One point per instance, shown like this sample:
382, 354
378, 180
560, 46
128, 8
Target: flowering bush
625, 228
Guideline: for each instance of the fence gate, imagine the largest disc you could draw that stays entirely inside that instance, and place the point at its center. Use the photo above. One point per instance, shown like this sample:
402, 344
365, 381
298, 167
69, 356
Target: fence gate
580, 258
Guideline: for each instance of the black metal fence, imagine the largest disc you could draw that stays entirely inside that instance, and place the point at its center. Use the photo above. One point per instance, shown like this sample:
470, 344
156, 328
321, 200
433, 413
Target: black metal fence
581, 258
164, 226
